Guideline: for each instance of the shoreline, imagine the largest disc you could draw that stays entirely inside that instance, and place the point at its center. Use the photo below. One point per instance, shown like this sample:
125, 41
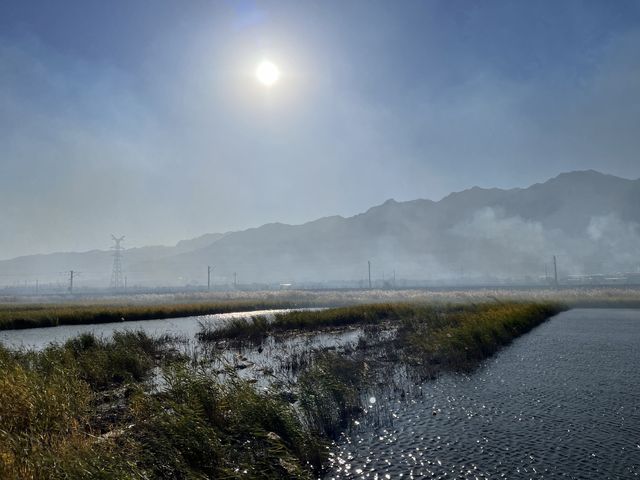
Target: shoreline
87, 405
15, 315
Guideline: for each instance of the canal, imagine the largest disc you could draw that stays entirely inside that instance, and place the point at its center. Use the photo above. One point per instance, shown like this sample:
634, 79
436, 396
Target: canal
563, 401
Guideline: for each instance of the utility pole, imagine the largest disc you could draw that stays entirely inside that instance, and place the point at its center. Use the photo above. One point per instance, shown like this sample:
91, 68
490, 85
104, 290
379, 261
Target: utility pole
369, 264
555, 270
125, 283
71, 275
394, 279
209, 268
235, 280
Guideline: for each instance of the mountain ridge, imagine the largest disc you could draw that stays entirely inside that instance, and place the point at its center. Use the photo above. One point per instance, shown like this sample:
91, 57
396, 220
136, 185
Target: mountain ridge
589, 217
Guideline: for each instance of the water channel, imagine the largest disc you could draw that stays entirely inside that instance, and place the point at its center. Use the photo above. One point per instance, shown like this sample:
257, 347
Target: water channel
186, 327
562, 401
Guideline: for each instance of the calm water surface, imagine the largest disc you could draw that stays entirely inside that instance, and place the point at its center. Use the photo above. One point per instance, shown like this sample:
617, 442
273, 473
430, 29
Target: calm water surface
186, 327
561, 402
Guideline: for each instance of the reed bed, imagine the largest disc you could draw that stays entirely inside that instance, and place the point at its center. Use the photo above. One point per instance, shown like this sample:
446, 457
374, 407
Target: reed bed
101, 309
330, 392
257, 328
460, 339
50, 315
93, 408
84, 410
420, 317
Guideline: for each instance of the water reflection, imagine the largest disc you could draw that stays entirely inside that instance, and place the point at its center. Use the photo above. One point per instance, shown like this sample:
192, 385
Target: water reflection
186, 327
561, 402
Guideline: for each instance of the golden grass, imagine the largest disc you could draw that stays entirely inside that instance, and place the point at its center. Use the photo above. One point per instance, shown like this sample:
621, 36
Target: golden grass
460, 339
155, 306
83, 409
33, 316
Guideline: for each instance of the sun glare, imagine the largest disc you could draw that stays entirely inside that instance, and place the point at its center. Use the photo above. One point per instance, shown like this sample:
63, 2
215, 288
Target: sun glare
267, 73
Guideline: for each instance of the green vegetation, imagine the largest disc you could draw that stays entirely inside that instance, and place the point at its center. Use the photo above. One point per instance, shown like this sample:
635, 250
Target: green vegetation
94, 408
82, 410
460, 338
258, 328
330, 392
49, 425
146, 307
203, 428
32, 316
422, 325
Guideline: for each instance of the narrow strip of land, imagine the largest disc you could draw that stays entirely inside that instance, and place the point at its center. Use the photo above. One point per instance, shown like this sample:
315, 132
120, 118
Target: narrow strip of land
29, 316
17, 315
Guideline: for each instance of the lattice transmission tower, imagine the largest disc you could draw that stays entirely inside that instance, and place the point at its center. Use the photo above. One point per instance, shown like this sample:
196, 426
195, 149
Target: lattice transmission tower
116, 274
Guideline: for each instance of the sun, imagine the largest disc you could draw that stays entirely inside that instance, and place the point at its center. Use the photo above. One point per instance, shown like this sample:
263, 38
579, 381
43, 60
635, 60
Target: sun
267, 73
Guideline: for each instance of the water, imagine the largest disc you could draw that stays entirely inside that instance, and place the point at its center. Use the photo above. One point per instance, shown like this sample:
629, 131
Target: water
277, 360
187, 327
561, 402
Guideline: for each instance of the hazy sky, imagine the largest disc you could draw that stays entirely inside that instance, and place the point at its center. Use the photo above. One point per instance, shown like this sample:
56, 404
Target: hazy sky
144, 118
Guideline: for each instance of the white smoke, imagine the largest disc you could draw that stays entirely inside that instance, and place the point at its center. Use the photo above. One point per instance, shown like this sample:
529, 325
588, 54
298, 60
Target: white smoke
511, 233
616, 238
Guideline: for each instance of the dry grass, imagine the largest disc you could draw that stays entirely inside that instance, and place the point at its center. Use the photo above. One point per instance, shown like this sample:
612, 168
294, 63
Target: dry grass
85, 410
67, 413
460, 338
63, 311
49, 315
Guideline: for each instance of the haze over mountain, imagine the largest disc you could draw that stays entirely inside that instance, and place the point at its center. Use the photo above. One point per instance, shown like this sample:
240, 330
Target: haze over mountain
588, 219
148, 119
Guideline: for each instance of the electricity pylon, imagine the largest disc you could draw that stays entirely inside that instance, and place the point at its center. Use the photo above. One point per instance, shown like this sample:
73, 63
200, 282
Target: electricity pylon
116, 273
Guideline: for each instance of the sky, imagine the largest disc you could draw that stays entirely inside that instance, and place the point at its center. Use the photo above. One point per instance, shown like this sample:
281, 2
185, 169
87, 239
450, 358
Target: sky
145, 119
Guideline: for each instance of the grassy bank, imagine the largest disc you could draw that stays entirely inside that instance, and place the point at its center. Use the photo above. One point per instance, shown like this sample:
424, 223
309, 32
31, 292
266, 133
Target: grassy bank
101, 309
33, 316
418, 321
259, 327
87, 409
460, 338
83, 410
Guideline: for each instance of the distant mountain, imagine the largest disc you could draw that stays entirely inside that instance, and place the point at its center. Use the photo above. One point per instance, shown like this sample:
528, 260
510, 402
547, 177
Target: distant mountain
198, 242
590, 220
94, 266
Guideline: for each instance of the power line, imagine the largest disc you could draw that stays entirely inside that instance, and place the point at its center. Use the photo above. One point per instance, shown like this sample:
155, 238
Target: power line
116, 273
